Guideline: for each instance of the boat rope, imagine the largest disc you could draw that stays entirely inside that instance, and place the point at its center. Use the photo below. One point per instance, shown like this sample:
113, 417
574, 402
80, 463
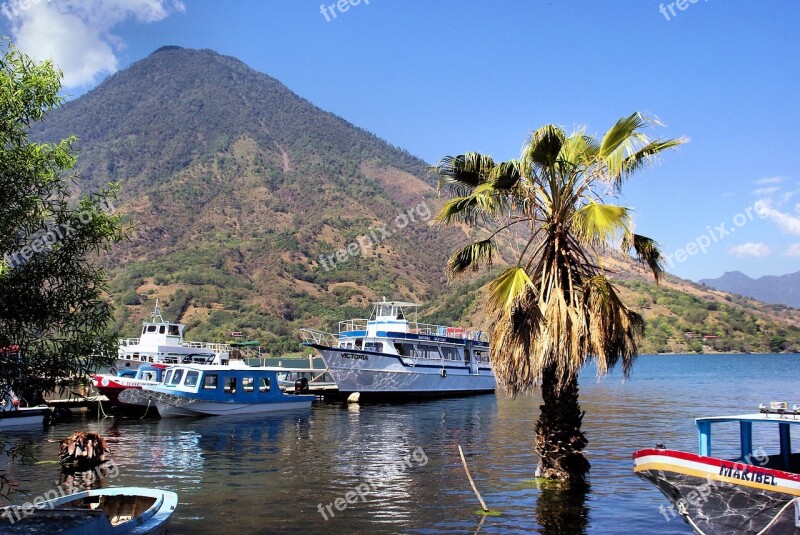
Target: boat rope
149, 401
685, 514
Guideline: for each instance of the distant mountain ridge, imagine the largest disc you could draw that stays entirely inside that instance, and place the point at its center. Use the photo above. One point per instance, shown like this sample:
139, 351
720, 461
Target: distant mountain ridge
780, 289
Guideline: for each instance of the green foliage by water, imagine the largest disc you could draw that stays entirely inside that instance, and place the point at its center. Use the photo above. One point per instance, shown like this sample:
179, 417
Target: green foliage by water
53, 315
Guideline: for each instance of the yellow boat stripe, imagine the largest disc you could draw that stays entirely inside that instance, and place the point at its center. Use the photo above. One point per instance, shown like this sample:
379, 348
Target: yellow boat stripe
716, 477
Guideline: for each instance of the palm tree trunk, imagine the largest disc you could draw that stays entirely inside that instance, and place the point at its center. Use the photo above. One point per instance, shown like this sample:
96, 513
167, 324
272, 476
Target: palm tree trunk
559, 440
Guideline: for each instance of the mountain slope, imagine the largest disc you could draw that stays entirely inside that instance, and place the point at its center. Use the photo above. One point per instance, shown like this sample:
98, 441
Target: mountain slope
236, 186
783, 289
255, 211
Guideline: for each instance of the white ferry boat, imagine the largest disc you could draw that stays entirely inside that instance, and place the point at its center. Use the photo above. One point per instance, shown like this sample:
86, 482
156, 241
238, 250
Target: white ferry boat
162, 342
390, 354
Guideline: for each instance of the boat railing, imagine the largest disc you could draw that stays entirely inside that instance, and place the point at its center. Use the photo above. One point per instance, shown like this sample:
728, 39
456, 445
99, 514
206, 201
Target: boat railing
429, 329
321, 338
353, 325
213, 346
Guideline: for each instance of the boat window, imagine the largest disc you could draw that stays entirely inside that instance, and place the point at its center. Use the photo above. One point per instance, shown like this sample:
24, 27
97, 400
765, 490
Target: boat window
263, 384
399, 348
162, 330
230, 385
174, 331
359, 343
151, 328
191, 378
247, 384
168, 376
373, 346
144, 329
210, 381
428, 352
148, 376
449, 353
176, 379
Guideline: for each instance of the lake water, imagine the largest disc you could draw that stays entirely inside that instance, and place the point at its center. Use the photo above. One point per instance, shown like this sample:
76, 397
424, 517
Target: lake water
273, 474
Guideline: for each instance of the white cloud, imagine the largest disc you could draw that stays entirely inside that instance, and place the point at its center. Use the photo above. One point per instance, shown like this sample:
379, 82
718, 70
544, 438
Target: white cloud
770, 180
76, 34
794, 250
786, 222
766, 191
750, 249
797, 207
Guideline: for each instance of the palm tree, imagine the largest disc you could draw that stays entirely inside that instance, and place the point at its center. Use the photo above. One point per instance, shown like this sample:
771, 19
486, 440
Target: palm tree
554, 308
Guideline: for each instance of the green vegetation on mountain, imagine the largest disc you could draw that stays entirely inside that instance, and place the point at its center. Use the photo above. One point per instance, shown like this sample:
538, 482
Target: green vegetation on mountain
235, 186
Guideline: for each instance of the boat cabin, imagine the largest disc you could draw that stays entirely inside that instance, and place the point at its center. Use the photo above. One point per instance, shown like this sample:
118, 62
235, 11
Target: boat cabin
393, 328
777, 415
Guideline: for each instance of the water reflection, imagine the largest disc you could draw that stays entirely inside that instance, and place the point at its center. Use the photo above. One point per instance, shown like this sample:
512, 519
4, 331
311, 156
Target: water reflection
562, 511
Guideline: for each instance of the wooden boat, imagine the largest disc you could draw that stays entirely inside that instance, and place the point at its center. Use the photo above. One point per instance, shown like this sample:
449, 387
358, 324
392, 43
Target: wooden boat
391, 354
110, 511
214, 390
756, 493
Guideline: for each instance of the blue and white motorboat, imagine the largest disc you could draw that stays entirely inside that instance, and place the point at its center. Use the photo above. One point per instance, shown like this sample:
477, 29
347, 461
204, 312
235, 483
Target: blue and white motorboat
215, 390
109, 511
755, 492
392, 354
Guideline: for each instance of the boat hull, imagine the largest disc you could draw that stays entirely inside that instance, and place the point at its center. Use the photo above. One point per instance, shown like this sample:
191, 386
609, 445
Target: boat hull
383, 375
83, 513
173, 406
719, 497
23, 417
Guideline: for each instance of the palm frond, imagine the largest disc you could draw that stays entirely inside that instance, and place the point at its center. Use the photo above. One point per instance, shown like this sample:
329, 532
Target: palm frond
543, 146
644, 157
613, 330
596, 223
461, 174
623, 134
471, 256
508, 287
647, 251
505, 175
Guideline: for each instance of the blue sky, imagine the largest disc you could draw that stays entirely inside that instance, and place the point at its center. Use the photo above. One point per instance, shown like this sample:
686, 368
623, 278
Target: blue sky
446, 76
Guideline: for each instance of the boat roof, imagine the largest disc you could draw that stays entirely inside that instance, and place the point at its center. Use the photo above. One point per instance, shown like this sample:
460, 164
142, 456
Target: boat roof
237, 368
788, 417
397, 303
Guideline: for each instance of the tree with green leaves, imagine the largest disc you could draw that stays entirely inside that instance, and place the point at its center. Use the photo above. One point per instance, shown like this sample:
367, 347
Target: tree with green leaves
53, 312
554, 308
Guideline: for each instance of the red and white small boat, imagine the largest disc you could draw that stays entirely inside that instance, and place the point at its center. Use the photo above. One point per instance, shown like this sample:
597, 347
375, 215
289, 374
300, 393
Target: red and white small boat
113, 387
756, 493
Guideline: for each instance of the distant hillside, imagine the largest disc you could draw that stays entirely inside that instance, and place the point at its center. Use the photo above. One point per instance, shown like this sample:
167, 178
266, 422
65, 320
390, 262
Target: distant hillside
257, 212
783, 289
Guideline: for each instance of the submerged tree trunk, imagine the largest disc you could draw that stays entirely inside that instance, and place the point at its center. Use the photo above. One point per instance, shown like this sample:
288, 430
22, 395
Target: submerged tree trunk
559, 440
